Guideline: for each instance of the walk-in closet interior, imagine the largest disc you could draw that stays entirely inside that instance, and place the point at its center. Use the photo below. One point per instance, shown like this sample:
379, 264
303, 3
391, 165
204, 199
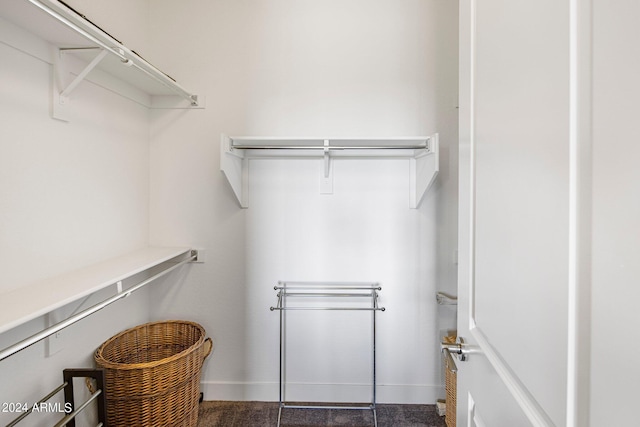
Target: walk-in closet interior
275, 204
294, 142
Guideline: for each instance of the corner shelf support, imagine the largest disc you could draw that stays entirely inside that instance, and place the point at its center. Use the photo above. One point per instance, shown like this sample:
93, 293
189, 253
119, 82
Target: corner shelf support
235, 168
422, 153
424, 168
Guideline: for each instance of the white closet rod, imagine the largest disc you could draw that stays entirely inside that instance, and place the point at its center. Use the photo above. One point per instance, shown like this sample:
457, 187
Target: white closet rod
9, 351
72, 19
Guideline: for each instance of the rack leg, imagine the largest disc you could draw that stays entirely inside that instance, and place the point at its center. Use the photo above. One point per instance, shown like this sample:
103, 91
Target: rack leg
281, 390
373, 341
281, 361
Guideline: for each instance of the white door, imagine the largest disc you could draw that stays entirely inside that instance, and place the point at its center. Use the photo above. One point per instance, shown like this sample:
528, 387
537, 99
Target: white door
521, 217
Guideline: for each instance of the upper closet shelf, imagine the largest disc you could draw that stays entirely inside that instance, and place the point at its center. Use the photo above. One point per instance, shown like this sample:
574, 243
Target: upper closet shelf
422, 152
80, 47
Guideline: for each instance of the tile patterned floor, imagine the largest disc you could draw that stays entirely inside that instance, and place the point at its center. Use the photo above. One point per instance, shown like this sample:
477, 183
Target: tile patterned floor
259, 414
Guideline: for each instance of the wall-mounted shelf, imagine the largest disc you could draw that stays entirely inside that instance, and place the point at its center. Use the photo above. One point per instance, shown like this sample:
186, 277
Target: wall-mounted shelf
29, 302
422, 152
78, 49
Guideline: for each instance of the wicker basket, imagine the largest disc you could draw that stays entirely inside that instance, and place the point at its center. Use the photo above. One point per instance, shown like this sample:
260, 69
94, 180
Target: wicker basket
450, 380
152, 374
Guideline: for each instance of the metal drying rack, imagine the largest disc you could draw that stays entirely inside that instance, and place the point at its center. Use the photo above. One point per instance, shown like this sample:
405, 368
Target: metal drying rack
345, 293
69, 408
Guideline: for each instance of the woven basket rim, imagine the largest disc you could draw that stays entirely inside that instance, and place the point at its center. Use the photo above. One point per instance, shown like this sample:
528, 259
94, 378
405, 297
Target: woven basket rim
99, 358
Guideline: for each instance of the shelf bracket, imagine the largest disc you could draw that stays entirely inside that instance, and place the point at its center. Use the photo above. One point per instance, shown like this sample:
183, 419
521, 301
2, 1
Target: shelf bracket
71, 86
326, 178
424, 168
326, 158
235, 168
61, 89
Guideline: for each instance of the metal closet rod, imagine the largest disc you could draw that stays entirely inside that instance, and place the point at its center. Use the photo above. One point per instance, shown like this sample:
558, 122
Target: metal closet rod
376, 308
314, 289
329, 147
327, 294
9, 351
329, 291
97, 35
328, 285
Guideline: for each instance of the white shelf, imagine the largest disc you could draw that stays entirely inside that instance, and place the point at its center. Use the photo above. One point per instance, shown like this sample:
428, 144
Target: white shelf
29, 302
422, 152
18, 17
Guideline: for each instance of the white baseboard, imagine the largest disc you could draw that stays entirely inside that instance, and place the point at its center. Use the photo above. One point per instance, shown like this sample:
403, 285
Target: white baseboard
268, 392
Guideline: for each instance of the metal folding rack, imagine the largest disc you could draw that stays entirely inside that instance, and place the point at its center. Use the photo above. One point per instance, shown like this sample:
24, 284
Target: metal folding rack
335, 292
70, 409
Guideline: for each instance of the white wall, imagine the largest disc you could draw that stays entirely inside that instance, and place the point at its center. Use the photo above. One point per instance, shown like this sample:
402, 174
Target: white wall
76, 193
308, 68
363, 232
71, 194
616, 214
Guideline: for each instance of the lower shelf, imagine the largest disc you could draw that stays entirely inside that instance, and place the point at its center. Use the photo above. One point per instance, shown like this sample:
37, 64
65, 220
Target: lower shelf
37, 299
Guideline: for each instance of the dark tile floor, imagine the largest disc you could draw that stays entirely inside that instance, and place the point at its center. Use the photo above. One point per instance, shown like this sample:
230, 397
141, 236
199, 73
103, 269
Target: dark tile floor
249, 414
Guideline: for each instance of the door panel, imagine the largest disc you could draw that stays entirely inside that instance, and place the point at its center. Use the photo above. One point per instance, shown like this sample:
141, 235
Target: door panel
514, 211
481, 406
521, 191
